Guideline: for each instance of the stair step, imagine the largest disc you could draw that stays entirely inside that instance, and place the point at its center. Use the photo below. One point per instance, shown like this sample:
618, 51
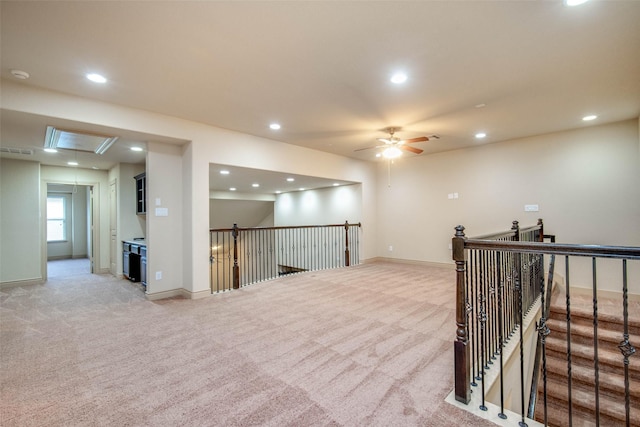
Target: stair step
611, 387
582, 355
558, 416
608, 339
610, 383
609, 312
612, 410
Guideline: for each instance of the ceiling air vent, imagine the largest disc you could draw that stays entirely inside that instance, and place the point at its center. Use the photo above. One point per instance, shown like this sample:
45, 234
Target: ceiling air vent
25, 151
78, 140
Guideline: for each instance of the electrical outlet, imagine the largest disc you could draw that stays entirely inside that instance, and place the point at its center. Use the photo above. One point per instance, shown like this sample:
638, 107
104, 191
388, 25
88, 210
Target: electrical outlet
158, 275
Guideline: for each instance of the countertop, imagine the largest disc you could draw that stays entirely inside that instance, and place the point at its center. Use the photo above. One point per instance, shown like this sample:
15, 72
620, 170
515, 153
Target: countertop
136, 242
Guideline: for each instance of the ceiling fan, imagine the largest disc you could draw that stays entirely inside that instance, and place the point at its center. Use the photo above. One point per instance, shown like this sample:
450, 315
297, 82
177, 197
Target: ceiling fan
393, 146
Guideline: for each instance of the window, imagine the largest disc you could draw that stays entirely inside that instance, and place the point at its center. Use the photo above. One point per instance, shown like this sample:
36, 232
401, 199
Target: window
56, 219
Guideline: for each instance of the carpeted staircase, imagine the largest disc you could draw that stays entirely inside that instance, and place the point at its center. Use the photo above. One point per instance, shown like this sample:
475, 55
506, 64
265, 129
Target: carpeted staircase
611, 365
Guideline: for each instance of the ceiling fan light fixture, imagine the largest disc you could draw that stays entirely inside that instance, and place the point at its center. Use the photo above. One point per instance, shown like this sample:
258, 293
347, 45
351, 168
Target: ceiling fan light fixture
399, 78
391, 153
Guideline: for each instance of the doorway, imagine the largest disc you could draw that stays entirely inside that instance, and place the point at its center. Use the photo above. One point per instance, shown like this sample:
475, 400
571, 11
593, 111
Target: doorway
69, 229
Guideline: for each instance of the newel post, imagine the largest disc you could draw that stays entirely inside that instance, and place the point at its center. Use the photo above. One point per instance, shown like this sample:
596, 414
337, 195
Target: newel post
541, 237
515, 226
236, 268
460, 346
347, 259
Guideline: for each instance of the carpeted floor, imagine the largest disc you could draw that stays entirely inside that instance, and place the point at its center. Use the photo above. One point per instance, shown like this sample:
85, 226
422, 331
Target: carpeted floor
369, 345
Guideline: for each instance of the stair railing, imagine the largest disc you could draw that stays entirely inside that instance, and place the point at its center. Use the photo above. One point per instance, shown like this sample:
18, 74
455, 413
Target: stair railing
240, 256
499, 279
543, 332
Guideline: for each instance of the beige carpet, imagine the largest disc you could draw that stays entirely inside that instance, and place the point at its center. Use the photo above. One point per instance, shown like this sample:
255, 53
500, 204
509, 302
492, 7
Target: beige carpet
366, 345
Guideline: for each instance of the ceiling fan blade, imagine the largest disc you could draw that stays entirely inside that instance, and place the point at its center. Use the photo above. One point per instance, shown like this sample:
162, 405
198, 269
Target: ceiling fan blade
366, 148
418, 139
412, 149
386, 141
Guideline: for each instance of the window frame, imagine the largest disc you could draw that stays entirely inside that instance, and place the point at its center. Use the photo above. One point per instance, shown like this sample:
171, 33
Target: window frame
63, 219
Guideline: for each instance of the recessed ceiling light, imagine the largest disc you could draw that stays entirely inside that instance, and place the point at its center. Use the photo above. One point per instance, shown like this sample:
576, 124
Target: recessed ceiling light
224, 172
232, 189
275, 126
136, 148
378, 155
480, 135
399, 78
19, 74
278, 192
96, 78
290, 179
302, 189
574, 2
482, 105
50, 150
72, 163
95, 167
589, 118
255, 185
335, 184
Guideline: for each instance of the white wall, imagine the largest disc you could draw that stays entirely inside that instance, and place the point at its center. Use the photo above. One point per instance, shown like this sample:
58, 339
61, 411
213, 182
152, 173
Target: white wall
165, 234
20, 222
585, 182
245, 213
333, 205
130, 225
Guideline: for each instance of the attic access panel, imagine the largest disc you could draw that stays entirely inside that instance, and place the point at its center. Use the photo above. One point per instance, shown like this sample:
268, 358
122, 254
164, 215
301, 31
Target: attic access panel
78, 140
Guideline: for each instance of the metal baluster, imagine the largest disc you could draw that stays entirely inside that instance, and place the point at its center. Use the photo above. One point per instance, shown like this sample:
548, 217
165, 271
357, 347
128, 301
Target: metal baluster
596, 366
470, 315
625, 346
482, 318
543, 332
477, 359
569, 373
518, 288
500, 337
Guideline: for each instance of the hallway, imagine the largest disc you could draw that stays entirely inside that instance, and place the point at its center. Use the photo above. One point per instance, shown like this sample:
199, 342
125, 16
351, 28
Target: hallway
66, 268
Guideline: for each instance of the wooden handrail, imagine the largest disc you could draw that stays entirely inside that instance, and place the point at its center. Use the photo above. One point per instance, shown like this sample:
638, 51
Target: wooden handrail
286, 227
599, 251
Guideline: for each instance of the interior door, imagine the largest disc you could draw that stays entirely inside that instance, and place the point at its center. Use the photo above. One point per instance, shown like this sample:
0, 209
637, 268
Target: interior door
113, 227
91, 230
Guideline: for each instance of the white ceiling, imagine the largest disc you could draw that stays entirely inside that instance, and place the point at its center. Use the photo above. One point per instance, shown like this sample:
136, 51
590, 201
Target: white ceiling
321, 69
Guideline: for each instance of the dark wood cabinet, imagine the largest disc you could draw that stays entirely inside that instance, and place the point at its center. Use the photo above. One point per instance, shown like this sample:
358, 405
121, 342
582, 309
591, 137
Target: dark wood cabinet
141, 193
134, 260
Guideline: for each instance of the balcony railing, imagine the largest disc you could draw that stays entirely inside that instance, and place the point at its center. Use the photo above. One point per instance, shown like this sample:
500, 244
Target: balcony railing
240, 256
500, 283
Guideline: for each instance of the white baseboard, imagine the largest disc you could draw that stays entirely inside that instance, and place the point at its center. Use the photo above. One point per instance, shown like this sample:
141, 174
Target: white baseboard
18, 283
178, 293
450, 266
